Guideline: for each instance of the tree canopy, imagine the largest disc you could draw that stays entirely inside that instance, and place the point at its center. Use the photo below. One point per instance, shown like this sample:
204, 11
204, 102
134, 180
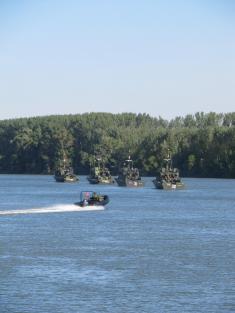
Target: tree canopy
202, 145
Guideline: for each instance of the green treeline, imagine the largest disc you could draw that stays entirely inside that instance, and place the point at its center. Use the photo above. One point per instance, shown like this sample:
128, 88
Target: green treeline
202, 145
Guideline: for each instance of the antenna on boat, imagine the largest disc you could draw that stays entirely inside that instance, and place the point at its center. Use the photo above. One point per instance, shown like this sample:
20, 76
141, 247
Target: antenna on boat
129, 160
129, 157
167, 156
168, 159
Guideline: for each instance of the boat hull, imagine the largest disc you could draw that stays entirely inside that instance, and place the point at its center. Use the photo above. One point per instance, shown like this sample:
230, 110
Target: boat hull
162, 184
66, 179
125, 182
102, 181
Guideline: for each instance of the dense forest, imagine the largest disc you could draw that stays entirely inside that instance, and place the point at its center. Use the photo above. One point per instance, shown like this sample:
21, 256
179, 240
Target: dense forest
202, 145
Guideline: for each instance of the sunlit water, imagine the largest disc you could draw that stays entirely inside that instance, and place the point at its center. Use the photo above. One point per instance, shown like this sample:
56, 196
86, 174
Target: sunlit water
148, 251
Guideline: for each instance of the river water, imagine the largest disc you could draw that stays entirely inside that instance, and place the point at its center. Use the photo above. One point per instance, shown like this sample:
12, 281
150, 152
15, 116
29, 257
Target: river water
149, 250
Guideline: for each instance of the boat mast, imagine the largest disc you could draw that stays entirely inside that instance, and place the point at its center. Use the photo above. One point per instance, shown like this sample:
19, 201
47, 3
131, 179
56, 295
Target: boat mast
129, 162
168, 160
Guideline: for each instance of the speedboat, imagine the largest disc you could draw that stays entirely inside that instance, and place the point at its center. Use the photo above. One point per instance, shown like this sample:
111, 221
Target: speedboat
91, 198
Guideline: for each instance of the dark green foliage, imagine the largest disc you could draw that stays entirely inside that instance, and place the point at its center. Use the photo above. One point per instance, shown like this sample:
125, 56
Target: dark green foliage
201, 144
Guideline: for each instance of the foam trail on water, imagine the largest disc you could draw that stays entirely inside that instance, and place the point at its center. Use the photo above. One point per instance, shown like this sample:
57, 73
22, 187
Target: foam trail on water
54, 209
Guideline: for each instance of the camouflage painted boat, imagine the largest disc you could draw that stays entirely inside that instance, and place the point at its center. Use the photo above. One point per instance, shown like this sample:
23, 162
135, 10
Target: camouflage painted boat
128, 175
64, 173
168, 177
99, 174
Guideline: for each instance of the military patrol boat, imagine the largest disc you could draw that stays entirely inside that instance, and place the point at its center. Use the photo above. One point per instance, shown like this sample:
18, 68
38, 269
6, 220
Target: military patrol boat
168, 177
128, 175
99, 174
64, 173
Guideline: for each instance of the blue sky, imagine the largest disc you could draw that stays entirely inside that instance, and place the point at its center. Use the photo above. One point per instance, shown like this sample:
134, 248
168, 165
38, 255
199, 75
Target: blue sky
165, 58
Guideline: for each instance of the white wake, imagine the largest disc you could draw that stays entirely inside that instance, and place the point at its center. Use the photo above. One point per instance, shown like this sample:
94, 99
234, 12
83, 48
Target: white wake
54, 209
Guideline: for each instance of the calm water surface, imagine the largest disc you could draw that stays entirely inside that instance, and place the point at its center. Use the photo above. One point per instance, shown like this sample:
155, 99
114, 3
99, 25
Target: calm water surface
148, 251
